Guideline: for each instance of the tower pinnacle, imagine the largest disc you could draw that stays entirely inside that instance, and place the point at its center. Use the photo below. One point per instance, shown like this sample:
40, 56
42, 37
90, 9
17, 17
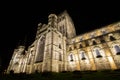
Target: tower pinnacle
52, 20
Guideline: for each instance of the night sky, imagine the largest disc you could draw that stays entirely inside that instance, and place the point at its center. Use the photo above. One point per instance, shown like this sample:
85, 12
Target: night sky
19, 20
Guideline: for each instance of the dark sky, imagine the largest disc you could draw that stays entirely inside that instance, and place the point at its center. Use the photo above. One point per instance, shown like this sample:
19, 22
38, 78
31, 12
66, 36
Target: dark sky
19, 19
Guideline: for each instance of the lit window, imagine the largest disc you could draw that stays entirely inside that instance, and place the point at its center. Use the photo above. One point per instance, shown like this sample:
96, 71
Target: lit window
40, 50
94, 42
102, 39
81, 46
117, 49
60, 46
71, 57
75, 46
86, 43
60, 57
98, 55
112, 38
70, 49
83, 56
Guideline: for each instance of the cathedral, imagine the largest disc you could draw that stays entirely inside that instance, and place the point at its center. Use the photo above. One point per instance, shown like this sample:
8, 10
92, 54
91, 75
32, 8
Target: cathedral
57, 48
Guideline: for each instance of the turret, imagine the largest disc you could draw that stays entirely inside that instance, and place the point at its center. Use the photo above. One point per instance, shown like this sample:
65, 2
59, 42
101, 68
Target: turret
52, 20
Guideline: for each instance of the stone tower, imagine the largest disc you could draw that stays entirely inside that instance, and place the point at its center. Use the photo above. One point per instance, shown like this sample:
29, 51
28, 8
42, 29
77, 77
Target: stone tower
55, 43
50, 49
53, 56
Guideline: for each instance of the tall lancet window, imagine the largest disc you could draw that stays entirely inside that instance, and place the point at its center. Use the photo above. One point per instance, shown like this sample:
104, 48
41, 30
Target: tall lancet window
60, 46
80, 46
98, 55
29, 60
40, 50
117, 49
60, 57
30, 57
83, 56
71, 57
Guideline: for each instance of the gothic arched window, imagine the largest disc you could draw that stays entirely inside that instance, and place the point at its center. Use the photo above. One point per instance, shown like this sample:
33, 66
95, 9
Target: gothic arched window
117, 49
70, 48
80, 46
75, 46
94, 42
98, 55
60, 57
60, 46
112, 38
40, 50
83, 56
102, 40
86, 43
71, 57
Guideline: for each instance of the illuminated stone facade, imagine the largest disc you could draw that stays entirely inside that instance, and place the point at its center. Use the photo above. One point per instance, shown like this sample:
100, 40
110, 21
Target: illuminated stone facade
57, 48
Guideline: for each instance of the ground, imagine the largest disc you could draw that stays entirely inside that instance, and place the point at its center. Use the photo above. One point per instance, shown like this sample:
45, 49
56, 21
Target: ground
76, 75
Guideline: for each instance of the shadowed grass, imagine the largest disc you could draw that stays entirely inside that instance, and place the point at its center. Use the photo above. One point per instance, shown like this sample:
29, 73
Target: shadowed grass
75, 75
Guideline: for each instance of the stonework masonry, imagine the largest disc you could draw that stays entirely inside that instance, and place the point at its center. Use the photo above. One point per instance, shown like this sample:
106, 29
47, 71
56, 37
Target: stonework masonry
57, 48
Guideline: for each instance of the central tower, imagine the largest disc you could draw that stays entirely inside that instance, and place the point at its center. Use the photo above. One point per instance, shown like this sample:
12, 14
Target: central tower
54, 56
